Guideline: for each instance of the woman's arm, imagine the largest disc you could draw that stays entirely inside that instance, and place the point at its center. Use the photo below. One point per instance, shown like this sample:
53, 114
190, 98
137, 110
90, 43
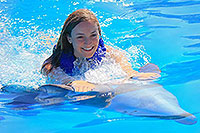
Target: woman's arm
58, 76
121, 58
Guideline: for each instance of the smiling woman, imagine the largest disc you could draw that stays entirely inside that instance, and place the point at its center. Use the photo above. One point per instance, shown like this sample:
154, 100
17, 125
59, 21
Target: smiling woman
81, 47
28, 36
85, 39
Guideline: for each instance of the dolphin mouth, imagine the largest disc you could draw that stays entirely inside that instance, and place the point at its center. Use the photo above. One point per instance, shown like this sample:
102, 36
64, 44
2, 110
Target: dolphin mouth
187, 118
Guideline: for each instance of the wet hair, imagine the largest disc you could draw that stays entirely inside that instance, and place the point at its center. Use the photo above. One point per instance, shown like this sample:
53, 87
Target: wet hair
63, 45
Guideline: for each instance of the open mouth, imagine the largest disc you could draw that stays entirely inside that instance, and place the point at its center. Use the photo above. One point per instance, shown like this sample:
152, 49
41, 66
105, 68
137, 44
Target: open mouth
88, 49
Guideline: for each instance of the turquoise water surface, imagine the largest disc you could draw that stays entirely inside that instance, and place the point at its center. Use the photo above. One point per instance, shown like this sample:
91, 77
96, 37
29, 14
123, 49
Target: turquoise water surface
163, 32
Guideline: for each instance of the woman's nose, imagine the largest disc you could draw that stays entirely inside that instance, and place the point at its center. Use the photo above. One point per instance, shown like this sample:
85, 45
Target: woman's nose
87, 41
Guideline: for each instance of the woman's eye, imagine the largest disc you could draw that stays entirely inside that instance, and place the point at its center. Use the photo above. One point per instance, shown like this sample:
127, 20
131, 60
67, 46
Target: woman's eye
94, 35
79, 37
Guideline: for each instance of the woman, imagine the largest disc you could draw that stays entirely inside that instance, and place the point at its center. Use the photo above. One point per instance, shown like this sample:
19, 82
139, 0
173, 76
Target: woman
80, 48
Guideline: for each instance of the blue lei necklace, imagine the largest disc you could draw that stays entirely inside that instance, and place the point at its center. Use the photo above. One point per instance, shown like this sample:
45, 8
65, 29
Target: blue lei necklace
67, 60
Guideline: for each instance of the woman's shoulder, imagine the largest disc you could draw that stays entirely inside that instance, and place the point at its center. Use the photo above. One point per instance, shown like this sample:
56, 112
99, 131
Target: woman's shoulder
115, 52
110, 48
46, 68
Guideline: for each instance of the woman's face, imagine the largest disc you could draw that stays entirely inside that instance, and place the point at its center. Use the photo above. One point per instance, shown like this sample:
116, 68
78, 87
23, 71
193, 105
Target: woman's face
84, 39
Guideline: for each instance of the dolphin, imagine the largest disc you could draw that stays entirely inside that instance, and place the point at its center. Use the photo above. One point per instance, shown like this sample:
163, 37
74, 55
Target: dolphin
132, 97
140, 99
150, 101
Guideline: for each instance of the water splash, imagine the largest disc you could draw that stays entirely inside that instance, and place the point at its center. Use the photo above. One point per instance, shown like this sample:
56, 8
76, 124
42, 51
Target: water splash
23, 53
138, 56
25, 45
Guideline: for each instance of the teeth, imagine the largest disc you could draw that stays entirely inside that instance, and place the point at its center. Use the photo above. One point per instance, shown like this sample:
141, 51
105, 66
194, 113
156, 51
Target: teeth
87, 48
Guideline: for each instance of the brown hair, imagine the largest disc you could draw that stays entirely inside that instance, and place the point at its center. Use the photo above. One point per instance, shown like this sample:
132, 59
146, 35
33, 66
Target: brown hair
63, 45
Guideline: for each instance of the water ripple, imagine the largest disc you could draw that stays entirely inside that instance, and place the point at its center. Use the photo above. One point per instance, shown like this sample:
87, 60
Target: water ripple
191, 18
192, 37
197, 45
192, 54
157, 4
164, 27
2, 118
186, 71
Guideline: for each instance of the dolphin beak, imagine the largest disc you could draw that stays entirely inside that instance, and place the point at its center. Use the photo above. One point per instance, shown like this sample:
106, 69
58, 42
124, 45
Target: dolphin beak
188, 119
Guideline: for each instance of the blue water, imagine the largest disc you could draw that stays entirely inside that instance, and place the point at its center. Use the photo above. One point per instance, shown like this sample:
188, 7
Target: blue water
163, 32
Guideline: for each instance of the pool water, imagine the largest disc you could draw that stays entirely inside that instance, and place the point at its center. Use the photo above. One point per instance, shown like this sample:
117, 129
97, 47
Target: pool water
162, 32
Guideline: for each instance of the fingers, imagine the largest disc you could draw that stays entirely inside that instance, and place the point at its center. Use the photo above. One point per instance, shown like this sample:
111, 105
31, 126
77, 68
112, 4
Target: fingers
146, 76
150, 77
83, 89
82, 86
80, 98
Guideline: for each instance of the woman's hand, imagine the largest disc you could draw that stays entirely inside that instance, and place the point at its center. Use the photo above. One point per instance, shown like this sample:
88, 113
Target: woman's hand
146, 76
82, 86
147, 72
